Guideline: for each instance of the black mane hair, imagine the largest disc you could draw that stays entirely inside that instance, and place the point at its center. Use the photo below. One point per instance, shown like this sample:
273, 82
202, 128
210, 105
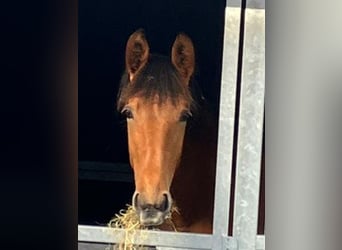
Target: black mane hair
159, 77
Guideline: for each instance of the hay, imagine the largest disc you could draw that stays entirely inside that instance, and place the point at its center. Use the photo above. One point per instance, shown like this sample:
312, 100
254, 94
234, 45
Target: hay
128, 220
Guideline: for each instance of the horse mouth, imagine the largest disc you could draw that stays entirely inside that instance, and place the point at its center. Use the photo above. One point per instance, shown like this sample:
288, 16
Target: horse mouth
151, 217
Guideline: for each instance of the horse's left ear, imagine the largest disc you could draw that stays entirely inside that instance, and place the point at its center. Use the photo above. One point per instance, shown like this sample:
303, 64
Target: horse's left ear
183, 56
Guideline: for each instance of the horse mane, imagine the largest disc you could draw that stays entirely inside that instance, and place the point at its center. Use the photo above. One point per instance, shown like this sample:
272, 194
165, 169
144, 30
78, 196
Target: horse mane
159, 78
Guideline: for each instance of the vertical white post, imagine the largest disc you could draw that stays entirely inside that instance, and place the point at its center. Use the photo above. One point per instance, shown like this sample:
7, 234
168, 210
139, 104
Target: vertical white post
250, 129
226, 125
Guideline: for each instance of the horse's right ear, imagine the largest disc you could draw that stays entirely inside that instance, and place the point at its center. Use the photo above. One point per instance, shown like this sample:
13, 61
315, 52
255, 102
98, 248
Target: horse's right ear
137, 53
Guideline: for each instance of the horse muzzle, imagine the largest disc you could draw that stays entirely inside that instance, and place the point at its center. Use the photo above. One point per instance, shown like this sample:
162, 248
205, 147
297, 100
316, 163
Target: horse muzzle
152, 214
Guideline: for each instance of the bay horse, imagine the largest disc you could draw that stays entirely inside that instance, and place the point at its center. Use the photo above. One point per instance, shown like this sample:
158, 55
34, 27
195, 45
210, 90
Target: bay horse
172, 139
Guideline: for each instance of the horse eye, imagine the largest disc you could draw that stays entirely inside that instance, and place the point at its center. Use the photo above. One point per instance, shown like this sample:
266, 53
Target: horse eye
127, 113
185, 115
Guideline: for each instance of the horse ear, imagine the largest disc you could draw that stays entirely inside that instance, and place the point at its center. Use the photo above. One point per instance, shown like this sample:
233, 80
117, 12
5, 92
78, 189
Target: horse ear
137, 53
183, 56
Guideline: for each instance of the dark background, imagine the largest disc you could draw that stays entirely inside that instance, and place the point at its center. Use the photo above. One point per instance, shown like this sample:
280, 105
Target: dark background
104, 27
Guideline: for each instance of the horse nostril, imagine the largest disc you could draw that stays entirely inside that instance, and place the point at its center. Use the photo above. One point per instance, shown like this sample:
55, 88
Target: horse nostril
135, 202
166, 203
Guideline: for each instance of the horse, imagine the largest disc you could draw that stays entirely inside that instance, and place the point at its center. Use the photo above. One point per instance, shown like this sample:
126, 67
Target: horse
172, 136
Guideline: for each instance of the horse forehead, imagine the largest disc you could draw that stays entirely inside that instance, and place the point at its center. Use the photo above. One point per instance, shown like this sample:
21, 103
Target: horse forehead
153, 107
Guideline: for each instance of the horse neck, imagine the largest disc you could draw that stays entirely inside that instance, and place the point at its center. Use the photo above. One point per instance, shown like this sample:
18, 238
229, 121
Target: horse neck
194, 180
